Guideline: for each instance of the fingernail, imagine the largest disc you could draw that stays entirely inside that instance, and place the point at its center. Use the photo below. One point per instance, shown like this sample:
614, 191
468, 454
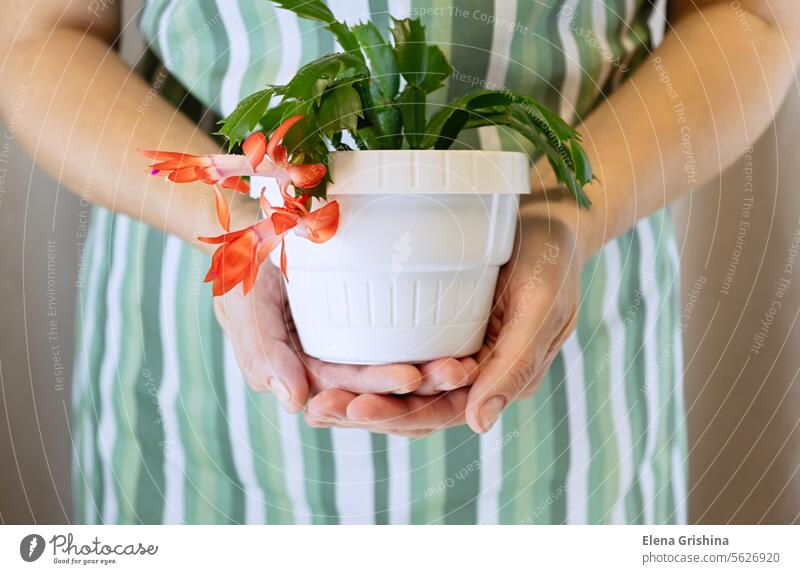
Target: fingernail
490, 412
317, 422
444, 387
325, 418
281, 391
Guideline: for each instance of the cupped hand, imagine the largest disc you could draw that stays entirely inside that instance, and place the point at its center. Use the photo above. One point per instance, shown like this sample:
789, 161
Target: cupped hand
261, 331
535, 310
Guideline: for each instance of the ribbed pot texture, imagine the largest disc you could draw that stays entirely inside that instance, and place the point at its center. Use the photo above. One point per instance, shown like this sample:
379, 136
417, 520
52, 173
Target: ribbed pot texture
410, 274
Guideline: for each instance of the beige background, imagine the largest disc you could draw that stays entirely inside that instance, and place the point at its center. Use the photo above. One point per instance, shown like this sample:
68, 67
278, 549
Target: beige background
743, 408
34, 440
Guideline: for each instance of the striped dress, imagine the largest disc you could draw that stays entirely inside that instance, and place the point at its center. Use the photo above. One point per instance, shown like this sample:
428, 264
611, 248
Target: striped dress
165, 429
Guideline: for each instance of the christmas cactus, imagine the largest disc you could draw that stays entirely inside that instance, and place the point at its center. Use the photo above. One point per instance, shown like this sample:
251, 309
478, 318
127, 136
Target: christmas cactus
370, 96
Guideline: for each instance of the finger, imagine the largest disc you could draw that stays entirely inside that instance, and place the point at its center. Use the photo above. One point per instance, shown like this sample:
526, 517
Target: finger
555, 347
541, 373
447, 375
405, 433
329, 409
410, 412
395, 378
329, 406
417, 433
509, 371
257, 330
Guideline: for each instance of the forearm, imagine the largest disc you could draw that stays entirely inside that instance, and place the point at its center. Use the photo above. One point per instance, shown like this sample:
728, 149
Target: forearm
81, 111
686, 114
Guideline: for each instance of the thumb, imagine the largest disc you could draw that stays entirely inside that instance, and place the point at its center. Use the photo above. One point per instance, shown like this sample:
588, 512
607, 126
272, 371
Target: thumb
263, 349
514, 368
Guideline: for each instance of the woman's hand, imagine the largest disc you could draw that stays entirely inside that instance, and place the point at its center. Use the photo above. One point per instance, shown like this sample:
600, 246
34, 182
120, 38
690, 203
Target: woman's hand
269, 354
534, 312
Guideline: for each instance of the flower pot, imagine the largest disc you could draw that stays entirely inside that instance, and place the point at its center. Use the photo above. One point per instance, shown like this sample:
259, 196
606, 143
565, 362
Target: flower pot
410, 274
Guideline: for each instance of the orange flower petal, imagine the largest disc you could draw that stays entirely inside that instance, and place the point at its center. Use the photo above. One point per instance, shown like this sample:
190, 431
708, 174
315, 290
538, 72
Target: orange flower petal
275, 151
254, 148
239, 256
223, 212
204, 176
321, 224
183, 175
213, 271
307, 175
180, 162
283, 221
283, 260
225, 237
236, 260
159, 155
267, 247
249, 279
236, 183
283, 186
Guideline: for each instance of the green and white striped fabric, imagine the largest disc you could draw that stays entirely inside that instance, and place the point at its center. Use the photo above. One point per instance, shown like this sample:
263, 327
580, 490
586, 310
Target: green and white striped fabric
165, 429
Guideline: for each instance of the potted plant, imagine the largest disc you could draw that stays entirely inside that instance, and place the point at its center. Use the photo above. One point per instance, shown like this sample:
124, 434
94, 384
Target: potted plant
397, 239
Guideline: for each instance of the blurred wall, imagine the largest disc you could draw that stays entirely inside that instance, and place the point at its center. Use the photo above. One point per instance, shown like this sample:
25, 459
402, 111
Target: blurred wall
741, 236
39, 236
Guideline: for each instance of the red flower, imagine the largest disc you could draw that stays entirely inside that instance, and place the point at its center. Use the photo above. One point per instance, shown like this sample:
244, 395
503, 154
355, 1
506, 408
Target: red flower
242, 252
260, 158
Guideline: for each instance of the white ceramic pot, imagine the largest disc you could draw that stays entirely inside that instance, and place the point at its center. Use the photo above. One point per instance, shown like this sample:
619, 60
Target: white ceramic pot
410, 274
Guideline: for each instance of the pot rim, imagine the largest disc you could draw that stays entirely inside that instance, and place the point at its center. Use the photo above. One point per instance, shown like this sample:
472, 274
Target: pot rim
429, 172
425, 152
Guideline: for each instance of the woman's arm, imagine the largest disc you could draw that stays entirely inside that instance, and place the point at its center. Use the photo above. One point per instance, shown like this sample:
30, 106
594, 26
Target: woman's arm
81, 112
691, 109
